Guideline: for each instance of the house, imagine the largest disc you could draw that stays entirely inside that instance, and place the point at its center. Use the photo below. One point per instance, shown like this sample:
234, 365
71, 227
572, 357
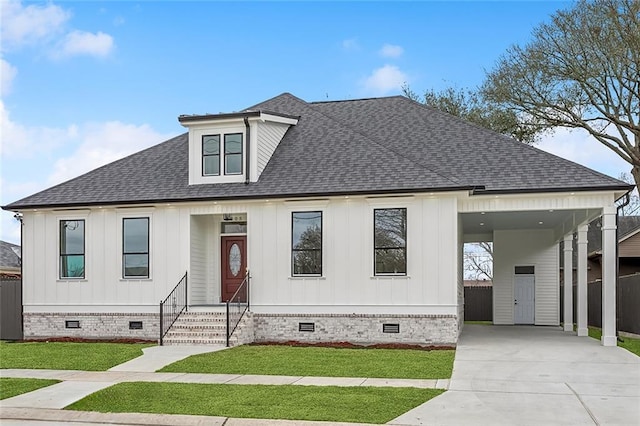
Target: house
9, 259
628, 229
350, 217
628, 247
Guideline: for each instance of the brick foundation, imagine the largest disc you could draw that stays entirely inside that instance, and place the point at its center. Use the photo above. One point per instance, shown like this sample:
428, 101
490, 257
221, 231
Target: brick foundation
358, 329
92, 326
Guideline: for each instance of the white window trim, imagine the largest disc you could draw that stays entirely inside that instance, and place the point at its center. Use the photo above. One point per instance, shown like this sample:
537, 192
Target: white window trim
73, 215
134, 214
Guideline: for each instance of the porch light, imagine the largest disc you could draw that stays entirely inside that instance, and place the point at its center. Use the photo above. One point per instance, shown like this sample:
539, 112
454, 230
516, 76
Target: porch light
540, 223
481, 223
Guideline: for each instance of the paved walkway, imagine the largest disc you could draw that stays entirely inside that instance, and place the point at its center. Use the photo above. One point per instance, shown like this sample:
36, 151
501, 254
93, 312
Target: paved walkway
534, 376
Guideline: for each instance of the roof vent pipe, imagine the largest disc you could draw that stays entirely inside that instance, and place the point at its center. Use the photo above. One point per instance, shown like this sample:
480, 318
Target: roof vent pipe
248, 150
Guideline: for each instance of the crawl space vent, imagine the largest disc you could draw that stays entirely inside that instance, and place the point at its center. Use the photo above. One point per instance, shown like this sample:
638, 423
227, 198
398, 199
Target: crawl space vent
391, 328
307, 326
135, 325
72, 324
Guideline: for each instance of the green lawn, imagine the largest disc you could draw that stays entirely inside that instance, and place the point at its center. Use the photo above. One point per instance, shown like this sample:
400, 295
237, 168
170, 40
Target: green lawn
67, 356
338, 404
320, 361
630, 344
11, 387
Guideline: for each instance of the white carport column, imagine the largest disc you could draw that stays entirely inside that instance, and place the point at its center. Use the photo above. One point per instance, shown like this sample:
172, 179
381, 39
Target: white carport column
609, 276
581, 305
568, 282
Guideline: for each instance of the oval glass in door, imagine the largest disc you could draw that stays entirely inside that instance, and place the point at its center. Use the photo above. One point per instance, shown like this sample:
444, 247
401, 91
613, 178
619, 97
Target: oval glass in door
235, 259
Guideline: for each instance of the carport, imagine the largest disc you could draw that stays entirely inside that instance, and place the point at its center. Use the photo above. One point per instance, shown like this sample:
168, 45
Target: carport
525, 230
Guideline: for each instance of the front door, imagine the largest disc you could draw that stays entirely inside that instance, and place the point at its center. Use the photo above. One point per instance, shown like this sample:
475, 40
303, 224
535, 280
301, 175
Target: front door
234, 264
524, 304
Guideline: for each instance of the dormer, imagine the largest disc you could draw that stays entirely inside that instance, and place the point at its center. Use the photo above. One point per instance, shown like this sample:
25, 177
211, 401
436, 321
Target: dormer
233, 148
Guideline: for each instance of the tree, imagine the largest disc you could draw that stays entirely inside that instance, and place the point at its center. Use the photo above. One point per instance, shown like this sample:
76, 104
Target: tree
581, 70
473, 107
478, 260
633, 207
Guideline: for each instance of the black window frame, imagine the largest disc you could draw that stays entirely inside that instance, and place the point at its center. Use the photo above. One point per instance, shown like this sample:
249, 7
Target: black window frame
376, 248
64, 255
204, 156
320, 249
147, 253
225, 154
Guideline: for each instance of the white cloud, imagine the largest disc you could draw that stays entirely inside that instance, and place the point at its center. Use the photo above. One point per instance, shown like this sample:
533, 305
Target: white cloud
19, 141
102, 143
384, 80
391, 51
578, 146
350, 44
7, 74
24, 25
85, 43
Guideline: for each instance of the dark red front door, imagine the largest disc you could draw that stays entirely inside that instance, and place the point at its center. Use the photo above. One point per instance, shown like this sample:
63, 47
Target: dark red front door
234, 264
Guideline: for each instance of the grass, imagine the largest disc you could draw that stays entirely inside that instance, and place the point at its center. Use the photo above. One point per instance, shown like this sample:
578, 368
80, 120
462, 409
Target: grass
319, 361
628, 343
67, 356
11, 387
338, 404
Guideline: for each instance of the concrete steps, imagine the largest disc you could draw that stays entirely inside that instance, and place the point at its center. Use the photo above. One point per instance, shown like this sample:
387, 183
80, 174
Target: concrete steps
202, 328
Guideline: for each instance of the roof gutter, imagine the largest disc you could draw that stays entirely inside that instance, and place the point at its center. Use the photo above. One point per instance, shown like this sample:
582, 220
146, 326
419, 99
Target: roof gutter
248, 150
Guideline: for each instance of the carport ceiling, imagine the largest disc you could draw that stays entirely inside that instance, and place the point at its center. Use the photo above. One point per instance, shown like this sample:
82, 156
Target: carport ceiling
485, 223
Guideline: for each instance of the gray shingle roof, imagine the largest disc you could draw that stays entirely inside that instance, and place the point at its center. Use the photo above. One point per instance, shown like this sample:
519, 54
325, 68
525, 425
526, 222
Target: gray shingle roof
9, 256
380, 145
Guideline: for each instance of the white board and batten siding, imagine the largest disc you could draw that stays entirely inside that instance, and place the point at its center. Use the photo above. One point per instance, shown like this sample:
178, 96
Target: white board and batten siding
187, 237
348, 284
526, 248
102, 289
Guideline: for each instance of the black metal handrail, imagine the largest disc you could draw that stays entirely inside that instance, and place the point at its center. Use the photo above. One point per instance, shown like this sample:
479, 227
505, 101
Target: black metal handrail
173, 306
237, 305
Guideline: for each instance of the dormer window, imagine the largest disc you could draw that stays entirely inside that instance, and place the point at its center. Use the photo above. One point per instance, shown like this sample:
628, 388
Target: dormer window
211, 159
235, 147
233, 154
211, 155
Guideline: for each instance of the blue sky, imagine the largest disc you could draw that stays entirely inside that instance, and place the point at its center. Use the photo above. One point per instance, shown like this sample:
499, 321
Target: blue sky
85, 83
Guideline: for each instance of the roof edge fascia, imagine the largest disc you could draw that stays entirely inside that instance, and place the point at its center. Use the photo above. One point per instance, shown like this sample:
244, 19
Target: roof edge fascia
392, 192
264, 115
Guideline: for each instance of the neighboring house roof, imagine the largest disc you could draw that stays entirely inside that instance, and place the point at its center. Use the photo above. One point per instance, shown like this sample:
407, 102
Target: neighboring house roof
365, 146
10, 257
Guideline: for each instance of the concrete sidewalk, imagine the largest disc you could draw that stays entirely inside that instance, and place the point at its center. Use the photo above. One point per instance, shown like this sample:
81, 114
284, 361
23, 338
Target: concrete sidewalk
534, 376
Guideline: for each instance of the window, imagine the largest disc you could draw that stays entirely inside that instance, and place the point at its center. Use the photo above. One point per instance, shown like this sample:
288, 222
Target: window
211, 155
72, 248
306, 243
135, 247
390, 241
233, 154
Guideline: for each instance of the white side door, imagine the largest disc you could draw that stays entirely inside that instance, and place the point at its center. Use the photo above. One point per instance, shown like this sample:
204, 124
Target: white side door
524, 302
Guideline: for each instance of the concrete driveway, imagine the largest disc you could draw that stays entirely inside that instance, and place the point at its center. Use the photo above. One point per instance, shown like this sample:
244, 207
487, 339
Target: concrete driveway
507, 375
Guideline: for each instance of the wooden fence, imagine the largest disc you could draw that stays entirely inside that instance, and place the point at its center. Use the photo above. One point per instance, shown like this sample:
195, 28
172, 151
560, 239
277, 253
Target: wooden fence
478, 303
627, 304
10, 308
